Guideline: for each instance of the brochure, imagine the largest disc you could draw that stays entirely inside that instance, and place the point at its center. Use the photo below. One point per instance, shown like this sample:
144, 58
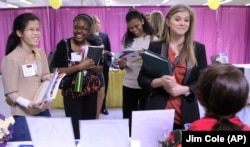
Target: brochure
49, 88
132, 56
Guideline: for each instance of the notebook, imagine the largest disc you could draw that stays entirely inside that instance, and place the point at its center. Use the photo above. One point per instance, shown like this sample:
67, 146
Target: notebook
155, 65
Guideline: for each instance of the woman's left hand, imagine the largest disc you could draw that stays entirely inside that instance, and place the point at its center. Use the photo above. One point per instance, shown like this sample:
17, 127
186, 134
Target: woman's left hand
42, 105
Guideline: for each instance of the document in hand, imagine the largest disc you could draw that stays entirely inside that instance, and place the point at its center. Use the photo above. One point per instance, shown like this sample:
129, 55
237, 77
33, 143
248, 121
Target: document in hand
132, 56
95, 53
155, 65
48, 89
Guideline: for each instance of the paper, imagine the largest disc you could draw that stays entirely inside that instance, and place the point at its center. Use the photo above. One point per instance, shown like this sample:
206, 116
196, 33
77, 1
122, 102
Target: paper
147, 125
245, 68
155, 65
48, 89
224, 57
104, 133
132, 56
51, 131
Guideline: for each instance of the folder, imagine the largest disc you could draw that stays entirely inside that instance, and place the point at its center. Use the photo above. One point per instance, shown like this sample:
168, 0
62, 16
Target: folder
156, 65
95, 53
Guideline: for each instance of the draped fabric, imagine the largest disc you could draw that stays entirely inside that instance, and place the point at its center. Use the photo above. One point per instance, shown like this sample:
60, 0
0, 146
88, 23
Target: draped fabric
224, 30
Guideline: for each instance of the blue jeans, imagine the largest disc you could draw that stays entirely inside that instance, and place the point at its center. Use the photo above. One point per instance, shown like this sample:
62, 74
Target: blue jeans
21, 129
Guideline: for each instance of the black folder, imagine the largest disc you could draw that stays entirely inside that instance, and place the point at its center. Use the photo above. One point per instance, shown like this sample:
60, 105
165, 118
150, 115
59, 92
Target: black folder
95, 53
155, 65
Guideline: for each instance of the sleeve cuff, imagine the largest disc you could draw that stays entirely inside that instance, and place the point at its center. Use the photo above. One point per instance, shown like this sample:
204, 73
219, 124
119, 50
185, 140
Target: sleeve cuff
23, 102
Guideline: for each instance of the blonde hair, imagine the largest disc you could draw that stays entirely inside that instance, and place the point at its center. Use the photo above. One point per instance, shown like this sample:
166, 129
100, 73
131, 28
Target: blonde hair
157, 22
189, 43
95, 21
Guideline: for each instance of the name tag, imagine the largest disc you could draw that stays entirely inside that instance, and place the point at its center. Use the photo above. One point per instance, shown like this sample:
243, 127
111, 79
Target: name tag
76, 56
28, 70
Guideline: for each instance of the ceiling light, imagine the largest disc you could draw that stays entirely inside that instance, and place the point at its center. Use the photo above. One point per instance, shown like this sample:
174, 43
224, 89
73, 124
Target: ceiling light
26, 2
11, 5
225, 1
164, 1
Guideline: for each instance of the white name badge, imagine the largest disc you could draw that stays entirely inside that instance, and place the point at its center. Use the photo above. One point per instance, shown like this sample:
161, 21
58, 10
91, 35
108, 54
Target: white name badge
76, 56
28, 70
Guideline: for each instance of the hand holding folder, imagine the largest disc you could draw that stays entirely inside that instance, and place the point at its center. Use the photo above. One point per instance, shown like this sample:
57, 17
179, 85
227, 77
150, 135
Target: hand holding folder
155, 65
95, 53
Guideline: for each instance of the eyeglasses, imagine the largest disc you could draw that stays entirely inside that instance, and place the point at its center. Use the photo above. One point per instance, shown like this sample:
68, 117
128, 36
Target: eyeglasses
83, 29
32, 30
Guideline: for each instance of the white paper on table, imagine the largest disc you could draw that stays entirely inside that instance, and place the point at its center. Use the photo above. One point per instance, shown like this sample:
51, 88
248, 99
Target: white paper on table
104, 133
51, 131
147, 126
245, 68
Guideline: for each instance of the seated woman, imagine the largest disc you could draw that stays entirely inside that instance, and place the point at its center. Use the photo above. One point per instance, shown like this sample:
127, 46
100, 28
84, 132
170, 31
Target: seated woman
223, 90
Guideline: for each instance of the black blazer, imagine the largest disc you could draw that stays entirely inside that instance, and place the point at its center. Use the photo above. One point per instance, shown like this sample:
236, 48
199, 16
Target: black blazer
190, 78
106, 43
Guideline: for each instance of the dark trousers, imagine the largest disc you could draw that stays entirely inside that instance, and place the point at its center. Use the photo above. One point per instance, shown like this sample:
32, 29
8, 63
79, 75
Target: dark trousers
21, 129
82, 108
133, 99
106, 79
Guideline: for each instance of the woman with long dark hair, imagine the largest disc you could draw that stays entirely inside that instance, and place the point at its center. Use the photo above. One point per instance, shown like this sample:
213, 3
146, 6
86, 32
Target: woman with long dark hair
24, 67
137, 37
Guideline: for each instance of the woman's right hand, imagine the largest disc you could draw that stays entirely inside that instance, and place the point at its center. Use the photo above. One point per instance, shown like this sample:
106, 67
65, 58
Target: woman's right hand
87, 63
122, 62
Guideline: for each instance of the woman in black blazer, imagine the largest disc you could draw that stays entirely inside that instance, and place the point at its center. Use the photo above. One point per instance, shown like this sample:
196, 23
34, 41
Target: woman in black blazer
187, 58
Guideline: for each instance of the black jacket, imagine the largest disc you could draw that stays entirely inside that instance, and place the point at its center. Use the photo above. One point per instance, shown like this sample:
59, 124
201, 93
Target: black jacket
190, 78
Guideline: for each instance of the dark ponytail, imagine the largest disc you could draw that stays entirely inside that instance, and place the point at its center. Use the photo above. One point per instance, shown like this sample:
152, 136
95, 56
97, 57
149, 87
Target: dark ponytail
223, 124
12, 42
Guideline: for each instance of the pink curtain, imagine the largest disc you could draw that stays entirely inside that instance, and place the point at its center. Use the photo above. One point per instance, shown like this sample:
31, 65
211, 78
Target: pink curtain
224, 30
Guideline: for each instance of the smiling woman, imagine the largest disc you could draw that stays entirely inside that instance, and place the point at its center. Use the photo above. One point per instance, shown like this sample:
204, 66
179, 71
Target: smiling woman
77, 104
24, 67
187, 57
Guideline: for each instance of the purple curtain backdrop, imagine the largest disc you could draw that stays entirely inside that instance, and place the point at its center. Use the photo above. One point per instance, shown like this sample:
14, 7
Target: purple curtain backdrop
224, 30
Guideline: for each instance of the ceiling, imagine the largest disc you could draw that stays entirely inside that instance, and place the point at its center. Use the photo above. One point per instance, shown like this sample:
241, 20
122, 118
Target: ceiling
39, 3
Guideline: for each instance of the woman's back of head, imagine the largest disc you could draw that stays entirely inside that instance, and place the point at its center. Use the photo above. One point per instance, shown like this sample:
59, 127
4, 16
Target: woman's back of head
223, 90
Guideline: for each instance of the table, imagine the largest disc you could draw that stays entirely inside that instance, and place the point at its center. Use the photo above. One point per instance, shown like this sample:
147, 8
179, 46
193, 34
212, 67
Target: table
114, 93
